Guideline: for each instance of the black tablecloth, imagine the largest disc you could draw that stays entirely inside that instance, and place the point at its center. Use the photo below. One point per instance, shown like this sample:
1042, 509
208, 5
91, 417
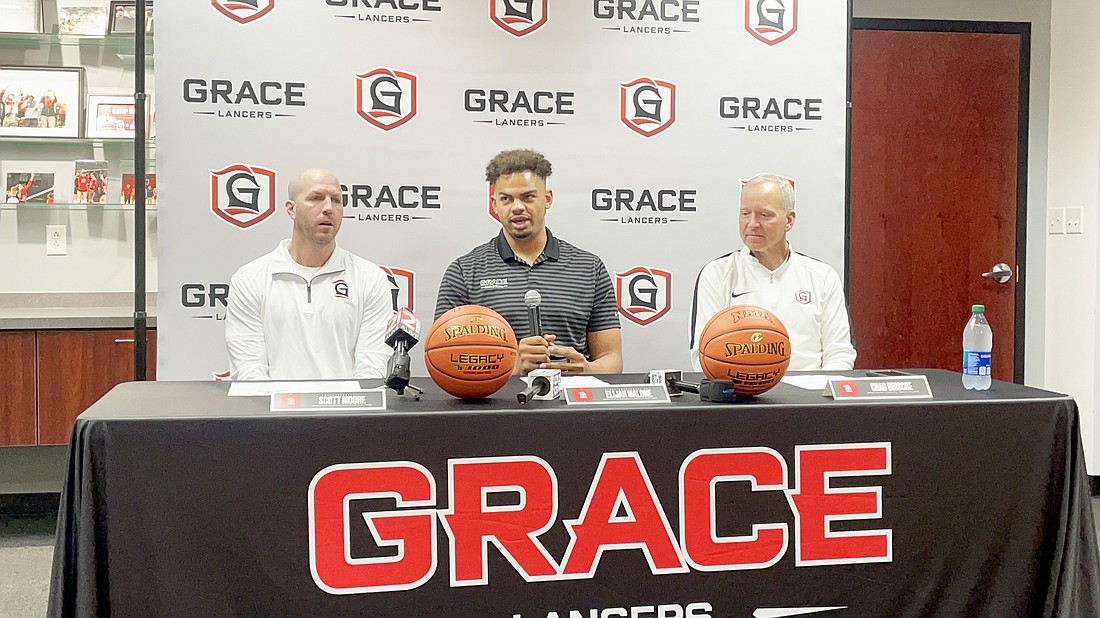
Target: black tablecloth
180, 501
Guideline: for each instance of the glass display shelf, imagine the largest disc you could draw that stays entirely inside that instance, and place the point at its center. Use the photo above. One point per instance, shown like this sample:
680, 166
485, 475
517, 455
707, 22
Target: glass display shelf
121, 43
39, 207
113, 142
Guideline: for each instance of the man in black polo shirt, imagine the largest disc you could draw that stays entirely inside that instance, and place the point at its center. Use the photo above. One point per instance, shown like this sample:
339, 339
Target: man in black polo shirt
579, 317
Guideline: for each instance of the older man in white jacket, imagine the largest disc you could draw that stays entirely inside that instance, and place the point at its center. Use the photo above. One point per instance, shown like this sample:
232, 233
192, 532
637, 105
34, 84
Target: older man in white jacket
805, 294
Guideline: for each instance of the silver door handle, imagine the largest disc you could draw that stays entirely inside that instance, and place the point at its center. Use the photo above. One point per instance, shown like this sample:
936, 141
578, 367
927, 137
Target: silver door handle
1000, 273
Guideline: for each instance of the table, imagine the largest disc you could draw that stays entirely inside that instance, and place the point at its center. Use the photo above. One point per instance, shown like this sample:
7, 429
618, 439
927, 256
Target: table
180, 501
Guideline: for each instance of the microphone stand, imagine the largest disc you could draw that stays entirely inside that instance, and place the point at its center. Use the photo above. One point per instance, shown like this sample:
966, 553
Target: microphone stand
397, 377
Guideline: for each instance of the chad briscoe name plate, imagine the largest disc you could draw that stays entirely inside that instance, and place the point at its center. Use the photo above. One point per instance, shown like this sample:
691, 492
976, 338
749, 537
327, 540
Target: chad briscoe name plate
900, 387
619, 393
340, 400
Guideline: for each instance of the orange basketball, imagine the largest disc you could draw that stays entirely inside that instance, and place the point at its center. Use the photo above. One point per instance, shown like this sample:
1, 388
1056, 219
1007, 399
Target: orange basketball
470, 351
747, 345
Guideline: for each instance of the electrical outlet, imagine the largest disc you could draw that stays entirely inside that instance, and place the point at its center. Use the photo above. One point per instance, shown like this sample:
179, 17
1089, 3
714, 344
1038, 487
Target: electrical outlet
56, 242
1073, 219
1056, 220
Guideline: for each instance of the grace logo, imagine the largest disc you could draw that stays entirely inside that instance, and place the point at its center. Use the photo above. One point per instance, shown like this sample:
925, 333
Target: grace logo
242, 195
386, 98
243, 11
647, 106
519, 17
643, 294
771, 21
402, 287
803, 296
341, 288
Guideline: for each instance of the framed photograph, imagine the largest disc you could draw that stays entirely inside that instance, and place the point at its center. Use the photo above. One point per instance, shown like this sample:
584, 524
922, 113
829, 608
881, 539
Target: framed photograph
82, 17
90, 182
122, 17
41, 101
110, 116
21, 16
129, 190
37, 182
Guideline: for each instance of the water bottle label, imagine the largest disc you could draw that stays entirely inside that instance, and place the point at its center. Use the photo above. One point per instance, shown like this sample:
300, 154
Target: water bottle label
977, 363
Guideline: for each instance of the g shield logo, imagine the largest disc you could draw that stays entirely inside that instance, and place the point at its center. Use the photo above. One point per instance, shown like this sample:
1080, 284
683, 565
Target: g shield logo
803, 296
647, 106
341, 288
242, 195
643, 294
492, 211
243, 11
771, 21
386, 98
402, 287
519, 17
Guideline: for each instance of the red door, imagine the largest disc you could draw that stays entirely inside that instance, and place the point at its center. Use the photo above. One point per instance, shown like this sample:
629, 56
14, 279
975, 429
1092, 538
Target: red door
934, 194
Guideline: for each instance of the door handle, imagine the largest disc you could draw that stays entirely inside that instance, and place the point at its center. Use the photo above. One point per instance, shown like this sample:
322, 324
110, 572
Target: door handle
1000, 273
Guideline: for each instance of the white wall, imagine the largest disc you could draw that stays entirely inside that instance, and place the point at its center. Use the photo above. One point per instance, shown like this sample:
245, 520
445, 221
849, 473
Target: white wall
1074, 163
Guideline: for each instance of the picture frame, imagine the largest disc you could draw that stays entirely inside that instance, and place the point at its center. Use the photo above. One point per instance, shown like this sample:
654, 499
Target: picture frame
41, 183
111, 117
128, 192
90, 182
21, 17
122, 18
82, 17
41, 101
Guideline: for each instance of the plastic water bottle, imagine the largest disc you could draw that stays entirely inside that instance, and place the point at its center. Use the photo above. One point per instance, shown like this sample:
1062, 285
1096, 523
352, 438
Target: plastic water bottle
977, 351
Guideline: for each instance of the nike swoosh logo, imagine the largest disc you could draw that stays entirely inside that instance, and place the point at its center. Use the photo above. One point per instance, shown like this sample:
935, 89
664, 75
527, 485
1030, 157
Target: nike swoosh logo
736, 294
781, 612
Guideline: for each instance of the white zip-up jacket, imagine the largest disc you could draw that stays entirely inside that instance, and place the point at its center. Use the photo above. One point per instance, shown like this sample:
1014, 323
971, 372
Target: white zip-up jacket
287, 321
804, 293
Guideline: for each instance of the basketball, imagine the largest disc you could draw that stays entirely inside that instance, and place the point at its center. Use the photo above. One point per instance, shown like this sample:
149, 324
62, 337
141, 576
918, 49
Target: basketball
747, 345
470, 351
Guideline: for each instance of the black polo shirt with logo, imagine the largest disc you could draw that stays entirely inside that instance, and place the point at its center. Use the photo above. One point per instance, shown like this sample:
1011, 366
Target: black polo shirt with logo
577, 295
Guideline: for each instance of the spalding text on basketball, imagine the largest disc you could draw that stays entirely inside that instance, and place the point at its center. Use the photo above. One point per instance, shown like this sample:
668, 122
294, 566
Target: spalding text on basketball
778, 348
463, 330
473, 523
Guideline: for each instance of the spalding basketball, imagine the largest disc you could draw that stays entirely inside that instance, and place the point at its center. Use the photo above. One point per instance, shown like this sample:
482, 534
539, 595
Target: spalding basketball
470, 351
747, 345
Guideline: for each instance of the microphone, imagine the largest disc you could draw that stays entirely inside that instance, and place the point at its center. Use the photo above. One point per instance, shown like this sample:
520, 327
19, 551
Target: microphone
534, 317
542, 384
533, 299
673, 379
402, 333
718, 391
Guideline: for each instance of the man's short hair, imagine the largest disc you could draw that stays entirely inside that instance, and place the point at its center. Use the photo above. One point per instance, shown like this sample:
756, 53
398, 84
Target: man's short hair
513, 161
786, 191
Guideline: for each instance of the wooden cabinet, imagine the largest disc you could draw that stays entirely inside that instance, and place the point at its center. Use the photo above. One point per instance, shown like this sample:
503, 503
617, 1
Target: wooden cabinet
72, 369
17, 389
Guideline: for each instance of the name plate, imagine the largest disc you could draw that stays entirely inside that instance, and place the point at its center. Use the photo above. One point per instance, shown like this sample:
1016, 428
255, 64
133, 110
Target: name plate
896, 387
325, 401
617, 393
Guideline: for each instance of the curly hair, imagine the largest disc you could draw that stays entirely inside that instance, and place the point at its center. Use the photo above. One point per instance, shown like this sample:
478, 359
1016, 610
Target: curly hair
513, 161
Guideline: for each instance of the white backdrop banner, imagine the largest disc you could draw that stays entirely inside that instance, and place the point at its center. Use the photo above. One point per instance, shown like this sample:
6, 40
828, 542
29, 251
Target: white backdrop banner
650, 111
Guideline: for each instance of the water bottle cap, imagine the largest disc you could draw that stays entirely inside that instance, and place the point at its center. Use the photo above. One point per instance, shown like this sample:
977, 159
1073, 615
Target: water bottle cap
978, 308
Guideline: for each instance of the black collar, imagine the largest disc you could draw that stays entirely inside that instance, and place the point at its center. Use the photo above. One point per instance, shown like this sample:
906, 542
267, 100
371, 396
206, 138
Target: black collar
551, 251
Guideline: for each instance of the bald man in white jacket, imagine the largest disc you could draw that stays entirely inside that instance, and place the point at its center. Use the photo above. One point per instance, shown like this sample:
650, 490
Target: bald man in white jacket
309, 309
